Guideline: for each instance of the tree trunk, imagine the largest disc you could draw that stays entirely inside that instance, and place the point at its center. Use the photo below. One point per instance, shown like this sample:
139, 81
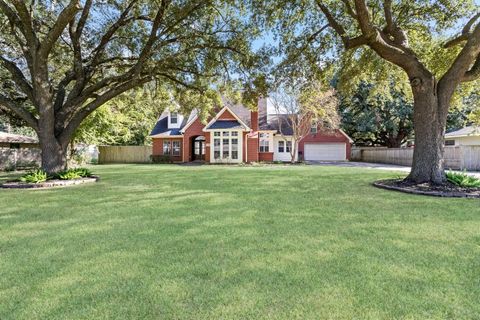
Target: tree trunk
429, 118
54, 155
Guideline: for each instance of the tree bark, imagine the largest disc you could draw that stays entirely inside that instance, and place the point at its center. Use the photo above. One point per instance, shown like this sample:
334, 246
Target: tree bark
54, 155
429, 120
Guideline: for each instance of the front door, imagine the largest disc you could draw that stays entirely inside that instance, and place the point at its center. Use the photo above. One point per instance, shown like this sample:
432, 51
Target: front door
199, 150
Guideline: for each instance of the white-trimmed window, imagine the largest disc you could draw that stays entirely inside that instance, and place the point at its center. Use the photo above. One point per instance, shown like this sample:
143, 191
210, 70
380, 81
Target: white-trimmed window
281, 146
176, 148
216, 147
264, 142
174, 117
288, 147
226, 146
166, 147
449, 142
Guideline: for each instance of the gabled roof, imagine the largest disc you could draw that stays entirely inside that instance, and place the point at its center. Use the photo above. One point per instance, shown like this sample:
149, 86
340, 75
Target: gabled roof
16, 138
239, 111
161, 127
225, 124
191, 119
464, 132
227, 109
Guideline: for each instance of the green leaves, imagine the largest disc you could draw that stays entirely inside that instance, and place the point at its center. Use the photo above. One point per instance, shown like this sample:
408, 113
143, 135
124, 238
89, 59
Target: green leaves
34, 176
463, 179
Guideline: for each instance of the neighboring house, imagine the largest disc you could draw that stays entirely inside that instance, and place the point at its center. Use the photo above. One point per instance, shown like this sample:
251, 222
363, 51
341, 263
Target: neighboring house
235, 134
468, 136
16, 141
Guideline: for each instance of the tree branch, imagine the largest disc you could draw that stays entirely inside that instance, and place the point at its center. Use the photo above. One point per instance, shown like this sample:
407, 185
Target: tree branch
460, 69
96, 103
20, 111
26, 23
18, 77
474, 72
60, 24
466, 32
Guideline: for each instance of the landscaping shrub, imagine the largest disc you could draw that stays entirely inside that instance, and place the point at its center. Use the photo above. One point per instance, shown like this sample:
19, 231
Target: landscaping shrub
463, 180
161, 159
34, 176
74, 173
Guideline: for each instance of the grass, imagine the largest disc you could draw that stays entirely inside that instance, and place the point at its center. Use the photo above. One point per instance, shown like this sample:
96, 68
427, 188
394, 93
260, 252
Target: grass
213, 242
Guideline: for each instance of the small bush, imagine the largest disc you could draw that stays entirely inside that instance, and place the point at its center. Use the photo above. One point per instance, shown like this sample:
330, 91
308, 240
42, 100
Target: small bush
83, 172
34, 176
161, 159
74, 173
463, 180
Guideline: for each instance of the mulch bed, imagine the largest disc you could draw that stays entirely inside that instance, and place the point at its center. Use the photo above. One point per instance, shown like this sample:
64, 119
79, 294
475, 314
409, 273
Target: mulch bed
48, 184
447, 190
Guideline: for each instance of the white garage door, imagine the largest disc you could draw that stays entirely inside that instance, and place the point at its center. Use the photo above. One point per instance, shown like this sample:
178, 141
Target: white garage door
325, 151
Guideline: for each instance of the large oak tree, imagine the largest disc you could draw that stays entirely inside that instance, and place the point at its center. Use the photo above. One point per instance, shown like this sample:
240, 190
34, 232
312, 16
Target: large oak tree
61, 60
400, 32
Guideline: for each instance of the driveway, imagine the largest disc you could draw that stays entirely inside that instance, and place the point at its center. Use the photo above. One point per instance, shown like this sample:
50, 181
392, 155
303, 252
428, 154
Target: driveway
368, 165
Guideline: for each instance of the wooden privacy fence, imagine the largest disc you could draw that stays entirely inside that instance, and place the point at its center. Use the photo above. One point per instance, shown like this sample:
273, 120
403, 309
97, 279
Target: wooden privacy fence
124, 154
460, 157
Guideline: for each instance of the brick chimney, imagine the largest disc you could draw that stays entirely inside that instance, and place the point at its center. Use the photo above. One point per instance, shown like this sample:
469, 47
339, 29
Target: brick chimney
254, 120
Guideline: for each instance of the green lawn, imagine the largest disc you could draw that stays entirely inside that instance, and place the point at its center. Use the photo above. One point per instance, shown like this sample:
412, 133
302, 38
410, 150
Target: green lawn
213, 242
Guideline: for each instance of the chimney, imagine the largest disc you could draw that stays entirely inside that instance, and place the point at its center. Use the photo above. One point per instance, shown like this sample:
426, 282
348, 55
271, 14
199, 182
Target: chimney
254, 120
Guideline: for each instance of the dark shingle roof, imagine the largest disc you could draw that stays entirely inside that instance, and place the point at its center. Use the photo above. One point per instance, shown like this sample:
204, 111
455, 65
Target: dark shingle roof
162, 127
279, 122
225, 124
273, 121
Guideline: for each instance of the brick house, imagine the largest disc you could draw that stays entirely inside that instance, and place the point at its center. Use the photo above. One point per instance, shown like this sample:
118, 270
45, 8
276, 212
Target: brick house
235, 134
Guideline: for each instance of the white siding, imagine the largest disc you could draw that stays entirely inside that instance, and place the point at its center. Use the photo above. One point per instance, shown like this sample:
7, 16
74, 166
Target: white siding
282, 156
175, 125
466, 141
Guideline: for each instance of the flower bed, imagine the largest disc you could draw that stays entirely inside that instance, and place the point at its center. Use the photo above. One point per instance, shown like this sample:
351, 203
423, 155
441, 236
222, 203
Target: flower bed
445, 190
49, 183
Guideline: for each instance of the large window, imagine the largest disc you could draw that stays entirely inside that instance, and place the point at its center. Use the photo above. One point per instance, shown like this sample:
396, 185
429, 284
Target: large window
289, 146
234, 149
226, 148
166, 147
226, 145
171, 147
176, 148
264, 142
284, 146
174, 117
216, 148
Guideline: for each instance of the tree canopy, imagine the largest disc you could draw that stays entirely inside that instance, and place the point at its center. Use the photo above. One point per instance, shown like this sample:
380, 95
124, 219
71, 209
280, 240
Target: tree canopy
61, 60
410, 35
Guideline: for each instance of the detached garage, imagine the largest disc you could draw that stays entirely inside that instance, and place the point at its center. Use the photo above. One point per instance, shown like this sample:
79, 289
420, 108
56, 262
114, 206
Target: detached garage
326, 146
325, 151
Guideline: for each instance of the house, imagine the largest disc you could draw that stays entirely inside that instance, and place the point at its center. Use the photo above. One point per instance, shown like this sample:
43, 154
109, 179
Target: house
235, 134
468, 136
16, 141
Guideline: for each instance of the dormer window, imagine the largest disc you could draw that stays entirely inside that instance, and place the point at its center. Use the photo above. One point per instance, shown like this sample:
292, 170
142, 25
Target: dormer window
174, 117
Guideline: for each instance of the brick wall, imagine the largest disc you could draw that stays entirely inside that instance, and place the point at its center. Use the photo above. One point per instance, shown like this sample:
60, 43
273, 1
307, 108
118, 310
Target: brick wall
194, 130
265, 156
157, 147
226, 115
252, 149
